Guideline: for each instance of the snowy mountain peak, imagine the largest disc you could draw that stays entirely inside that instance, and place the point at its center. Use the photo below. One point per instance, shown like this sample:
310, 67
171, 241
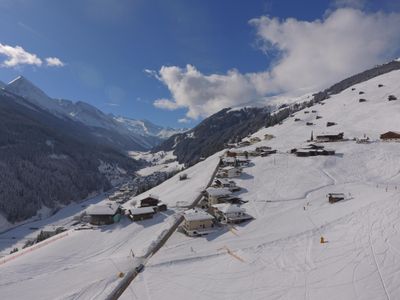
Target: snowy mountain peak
145, 127
25, 88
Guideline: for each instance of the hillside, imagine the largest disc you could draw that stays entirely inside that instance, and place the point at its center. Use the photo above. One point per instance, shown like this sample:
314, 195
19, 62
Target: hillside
123, 133
278, 255
230, 125
46, 161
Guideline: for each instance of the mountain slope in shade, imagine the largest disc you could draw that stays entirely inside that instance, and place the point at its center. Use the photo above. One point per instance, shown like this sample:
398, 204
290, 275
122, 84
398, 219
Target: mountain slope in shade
48, 161
2, 84
139, 135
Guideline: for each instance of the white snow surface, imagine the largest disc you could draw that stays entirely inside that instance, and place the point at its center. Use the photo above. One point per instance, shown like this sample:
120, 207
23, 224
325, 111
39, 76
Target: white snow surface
85, 263
278, 255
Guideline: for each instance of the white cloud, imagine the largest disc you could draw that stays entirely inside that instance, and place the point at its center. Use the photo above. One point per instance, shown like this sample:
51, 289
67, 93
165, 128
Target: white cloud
203, 94
16, 56
54, 62
184, 121
312, 55
166, 104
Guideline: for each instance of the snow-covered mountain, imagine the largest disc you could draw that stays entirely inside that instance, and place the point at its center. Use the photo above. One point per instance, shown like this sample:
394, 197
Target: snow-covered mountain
144, 133
147, 128
2, 84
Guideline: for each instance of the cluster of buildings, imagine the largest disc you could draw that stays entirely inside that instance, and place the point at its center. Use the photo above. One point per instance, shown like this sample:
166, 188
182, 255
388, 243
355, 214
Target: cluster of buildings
111, 212
312, 150
219, 206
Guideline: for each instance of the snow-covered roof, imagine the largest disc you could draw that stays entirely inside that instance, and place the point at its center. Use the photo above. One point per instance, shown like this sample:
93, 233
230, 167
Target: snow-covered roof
228, 159
197, 215
142, 210
242, 159
223, 180
103, 209
215, 192
229, 168
227, 208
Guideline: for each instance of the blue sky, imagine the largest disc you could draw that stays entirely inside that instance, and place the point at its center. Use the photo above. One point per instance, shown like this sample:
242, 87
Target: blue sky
106, 46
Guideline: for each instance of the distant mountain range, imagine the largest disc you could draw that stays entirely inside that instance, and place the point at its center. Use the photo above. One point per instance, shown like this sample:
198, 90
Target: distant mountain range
128, 134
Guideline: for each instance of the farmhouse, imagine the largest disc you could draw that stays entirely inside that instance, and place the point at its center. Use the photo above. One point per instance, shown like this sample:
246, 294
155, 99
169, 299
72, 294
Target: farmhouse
330, 137
141, 213
335, 197
102, 214
230, 213
390, 135
197, 222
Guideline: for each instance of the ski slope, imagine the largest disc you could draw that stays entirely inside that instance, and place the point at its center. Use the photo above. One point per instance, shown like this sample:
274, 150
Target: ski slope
279, 255
85, 264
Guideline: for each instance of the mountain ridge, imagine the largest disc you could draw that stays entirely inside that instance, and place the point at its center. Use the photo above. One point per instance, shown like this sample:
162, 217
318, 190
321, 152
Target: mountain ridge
91, 116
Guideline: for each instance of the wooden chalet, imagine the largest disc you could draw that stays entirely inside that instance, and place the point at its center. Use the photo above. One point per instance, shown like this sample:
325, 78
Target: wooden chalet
150, 200
335, 197
141, 213
103, 214
390, 135
197, 222
312, 150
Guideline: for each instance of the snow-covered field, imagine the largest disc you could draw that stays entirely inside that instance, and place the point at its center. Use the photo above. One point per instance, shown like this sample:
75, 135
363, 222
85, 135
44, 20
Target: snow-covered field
85, 264
161, 162
279, 255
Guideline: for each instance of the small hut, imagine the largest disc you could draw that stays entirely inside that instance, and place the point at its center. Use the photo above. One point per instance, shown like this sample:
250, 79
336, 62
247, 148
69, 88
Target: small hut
390, 135
335, 197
